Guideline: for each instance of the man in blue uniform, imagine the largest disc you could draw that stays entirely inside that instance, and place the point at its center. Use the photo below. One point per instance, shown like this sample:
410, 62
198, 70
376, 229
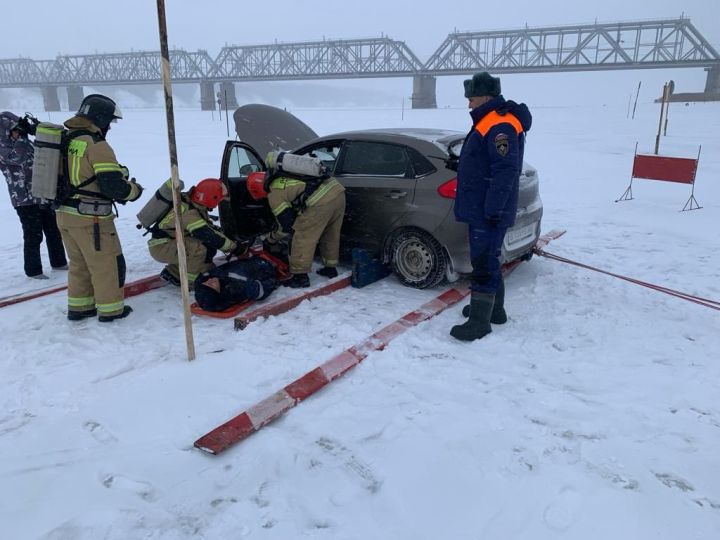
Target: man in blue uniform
487, 195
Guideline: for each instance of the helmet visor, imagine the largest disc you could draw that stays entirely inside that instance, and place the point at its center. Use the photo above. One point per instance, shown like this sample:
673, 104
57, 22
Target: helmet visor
117, 114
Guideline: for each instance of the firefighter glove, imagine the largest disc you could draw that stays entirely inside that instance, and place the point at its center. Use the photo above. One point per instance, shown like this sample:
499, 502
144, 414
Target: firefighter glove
241, 247
286, 219
136, 190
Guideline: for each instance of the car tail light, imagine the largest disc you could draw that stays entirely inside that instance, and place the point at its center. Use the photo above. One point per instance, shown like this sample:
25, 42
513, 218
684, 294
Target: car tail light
448, 189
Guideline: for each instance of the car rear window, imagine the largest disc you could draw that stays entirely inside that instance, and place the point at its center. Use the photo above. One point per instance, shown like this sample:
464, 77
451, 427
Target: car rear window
420, 163
375, 159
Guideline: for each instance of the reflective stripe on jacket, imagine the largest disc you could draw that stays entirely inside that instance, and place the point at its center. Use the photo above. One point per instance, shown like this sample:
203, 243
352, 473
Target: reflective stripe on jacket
195, 222
285, 191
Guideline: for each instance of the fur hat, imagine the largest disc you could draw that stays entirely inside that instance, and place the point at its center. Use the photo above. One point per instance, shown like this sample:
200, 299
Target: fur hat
482, 84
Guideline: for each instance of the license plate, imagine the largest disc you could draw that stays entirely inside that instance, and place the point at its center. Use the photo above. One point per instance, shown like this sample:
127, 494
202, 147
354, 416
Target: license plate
516, 236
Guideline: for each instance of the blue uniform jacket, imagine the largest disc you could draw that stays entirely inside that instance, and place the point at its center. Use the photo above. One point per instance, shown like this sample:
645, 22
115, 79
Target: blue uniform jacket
491, 163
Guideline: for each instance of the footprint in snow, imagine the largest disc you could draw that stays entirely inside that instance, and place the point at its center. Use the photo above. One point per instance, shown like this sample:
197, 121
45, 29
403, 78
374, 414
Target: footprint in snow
142, 489
99, 432
14, 421
359, 468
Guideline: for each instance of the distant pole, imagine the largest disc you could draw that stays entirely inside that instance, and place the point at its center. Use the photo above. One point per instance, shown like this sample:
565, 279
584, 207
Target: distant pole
227, 121
670, 90
175, 176
629, 102
636, 98
402, 109
662, 111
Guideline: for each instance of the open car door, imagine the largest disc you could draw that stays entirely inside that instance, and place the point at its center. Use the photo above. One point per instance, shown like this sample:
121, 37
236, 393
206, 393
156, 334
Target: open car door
260, 129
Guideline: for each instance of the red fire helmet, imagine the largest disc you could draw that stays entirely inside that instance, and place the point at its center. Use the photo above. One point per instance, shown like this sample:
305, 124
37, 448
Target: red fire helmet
209, 192
256, 185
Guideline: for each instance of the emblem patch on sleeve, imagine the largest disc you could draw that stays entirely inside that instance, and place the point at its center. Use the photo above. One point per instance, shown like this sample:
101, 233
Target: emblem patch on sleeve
501, 144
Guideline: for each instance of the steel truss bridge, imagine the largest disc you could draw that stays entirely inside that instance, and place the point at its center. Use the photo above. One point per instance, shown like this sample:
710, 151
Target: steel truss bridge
672, 43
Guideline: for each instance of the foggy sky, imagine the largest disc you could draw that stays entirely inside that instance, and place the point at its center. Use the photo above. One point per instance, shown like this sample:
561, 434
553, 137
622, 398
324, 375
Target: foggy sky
42, 29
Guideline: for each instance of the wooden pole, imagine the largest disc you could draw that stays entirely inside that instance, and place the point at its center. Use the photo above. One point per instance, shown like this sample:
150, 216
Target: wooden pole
227, 121
662, 112
174, 175
636, 98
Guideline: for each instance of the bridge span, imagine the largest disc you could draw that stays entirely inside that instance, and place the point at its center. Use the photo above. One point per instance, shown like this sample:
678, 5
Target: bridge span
658, 44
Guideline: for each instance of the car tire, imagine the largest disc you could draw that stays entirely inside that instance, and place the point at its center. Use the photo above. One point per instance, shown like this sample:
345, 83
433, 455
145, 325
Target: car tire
417, 259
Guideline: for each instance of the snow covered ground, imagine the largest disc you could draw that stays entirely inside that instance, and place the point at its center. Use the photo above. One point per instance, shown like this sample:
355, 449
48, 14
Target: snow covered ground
593, 414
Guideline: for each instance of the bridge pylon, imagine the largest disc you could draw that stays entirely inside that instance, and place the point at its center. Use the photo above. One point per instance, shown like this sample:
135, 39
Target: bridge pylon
50, 98
75, 95
423, 96
207, 96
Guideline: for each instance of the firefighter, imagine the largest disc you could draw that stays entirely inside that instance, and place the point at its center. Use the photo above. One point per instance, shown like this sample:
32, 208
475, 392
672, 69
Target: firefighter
202, 238
313, 211
86, 218
488, 177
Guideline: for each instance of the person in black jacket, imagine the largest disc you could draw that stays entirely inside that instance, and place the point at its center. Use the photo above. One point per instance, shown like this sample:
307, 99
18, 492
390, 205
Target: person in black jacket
489, 171
36, 217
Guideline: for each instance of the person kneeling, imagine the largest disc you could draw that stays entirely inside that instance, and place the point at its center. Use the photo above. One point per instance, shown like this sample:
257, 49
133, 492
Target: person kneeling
202, 239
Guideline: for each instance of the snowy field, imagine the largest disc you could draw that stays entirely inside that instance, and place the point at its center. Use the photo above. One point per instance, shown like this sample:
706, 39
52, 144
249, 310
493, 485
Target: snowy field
593, 414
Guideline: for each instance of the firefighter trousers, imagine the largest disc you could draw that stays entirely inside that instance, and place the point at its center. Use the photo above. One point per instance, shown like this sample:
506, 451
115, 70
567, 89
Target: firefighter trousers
199, 257
317, 227
97, 267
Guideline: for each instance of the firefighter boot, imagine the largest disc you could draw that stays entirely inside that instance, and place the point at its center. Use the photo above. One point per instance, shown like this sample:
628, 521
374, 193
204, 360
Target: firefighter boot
297, 281
498, 313
168, 276
127, 310
81, 315
478, 325
329, 272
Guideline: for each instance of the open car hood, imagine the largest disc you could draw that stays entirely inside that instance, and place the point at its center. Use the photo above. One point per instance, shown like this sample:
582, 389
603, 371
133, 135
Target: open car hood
267, 128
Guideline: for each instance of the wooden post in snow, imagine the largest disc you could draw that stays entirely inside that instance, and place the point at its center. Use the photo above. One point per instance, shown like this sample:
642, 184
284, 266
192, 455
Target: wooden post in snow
636, 98
174, 175
662, 113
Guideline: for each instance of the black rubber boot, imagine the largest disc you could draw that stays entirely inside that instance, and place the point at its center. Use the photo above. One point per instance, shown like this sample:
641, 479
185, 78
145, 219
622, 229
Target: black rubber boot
127, 310
80, 315
478, 325
297, 281
328, 272
498, 313
169, 277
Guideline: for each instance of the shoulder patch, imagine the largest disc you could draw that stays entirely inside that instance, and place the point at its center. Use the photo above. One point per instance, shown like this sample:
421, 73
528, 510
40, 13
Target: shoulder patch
501, 144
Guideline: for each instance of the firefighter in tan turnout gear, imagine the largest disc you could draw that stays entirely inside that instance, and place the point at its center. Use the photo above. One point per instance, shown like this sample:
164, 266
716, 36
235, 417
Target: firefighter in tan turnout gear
202, 238
86, 218
311, 207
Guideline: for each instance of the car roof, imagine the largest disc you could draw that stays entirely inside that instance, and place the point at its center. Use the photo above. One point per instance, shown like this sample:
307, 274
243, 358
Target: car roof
426, 134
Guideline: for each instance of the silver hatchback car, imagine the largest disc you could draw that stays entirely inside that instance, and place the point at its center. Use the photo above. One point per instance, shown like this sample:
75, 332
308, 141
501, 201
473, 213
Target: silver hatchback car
399, 191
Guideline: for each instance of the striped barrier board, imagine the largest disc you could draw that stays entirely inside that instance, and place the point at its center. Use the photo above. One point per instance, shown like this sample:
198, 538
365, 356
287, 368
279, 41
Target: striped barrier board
253, 419
134, 288
286, 304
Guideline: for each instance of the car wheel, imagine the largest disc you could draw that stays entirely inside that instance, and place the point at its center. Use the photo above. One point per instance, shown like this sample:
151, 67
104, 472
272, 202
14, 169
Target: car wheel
417, 259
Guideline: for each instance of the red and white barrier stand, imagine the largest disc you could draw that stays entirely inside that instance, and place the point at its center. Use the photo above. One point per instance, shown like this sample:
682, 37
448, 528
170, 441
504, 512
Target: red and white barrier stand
665, 169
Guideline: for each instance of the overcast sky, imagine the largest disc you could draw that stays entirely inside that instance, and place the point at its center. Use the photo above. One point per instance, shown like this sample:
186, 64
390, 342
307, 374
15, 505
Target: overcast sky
42, 29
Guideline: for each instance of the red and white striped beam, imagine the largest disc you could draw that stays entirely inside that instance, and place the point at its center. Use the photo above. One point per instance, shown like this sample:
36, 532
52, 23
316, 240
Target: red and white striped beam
135, 288
286, 304
253, 419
